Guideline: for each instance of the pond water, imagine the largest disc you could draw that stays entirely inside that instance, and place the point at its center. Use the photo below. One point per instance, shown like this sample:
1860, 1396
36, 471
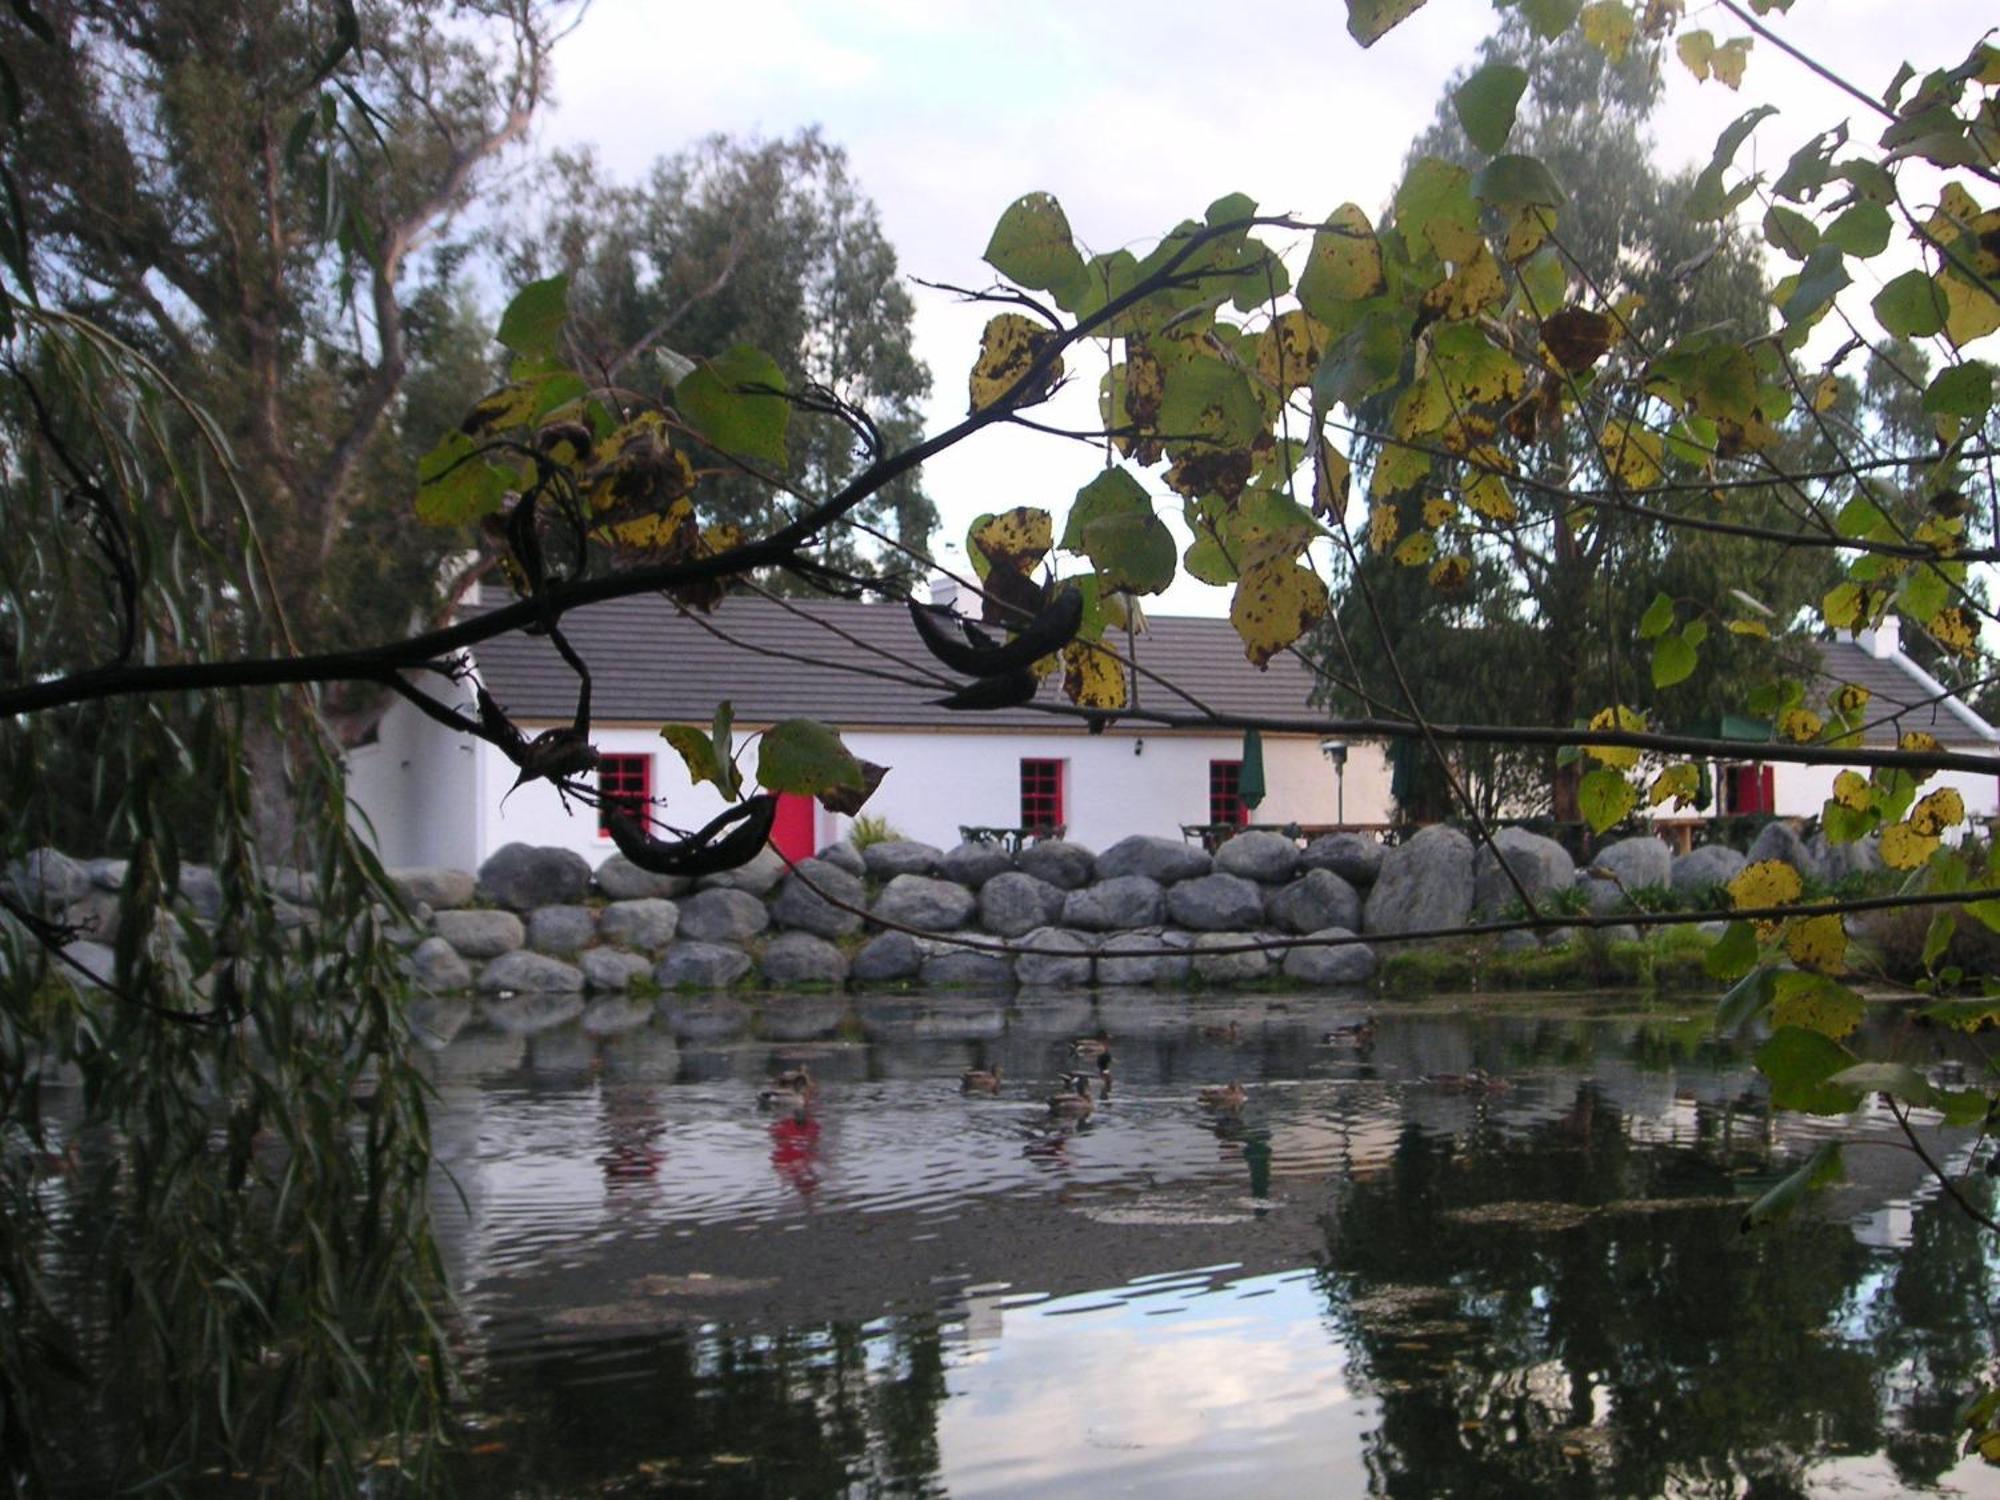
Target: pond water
1372, 1279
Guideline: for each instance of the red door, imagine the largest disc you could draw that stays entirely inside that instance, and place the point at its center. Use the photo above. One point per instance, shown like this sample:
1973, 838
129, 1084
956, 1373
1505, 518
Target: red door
792, 831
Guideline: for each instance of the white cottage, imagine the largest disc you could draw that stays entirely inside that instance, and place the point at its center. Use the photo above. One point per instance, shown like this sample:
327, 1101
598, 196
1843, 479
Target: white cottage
431, 797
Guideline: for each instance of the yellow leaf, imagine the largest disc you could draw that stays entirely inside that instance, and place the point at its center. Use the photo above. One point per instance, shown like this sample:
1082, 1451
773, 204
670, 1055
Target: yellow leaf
1956, 209
1682, 783
1437, 511
1851, 790
1851, 699
1844, 606
1756, 628
1346, 259
1609, 27
1018, 539
1092, 676
1619, 757
1817, 943
1826, 392
661, 532
1276, 602
1332, 481
1398, 468
1382, 527
1007, 350
1769, 882
1476, 285
1955, 629
1801, 726
1289, 351
1695, 48
1903, 848
1450, 574
1488, 496
1942, 809
1917, 742
509, 406
1971, 312
1421, 410
1416, 549
1633, 454
1833, 1010
1729, 60
1528, 228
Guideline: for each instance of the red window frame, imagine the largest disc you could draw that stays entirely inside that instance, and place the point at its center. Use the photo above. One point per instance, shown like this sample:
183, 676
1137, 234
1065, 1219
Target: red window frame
1042, 793
1751, 787
1225, 803
626, 783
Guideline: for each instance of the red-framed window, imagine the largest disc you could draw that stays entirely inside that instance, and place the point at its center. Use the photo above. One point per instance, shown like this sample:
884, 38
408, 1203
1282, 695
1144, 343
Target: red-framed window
1041, 793
626, 783
1225, 800
1749, 789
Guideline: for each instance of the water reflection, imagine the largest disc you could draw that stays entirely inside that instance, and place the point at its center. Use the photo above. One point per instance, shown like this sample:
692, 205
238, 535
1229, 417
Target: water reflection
1406, 1286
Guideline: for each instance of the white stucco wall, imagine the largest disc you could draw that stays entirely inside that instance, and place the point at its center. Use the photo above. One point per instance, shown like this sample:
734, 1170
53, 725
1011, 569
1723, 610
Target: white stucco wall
937, 781
1801, 791
414, 793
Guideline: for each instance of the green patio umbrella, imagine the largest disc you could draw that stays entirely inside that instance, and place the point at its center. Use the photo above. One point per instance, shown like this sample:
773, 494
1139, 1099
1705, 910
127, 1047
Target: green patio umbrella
1250, 780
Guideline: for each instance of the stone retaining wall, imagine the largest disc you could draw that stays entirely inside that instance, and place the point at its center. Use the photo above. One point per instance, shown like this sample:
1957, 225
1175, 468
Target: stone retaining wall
541, 921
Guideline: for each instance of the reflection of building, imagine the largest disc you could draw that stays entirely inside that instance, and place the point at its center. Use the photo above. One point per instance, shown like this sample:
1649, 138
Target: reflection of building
434, 797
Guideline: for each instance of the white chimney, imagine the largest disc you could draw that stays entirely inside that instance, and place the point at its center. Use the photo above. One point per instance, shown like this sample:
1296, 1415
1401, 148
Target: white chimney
944, 593
1884, 640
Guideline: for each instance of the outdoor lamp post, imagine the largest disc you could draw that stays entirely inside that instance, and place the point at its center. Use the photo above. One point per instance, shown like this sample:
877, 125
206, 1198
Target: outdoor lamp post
1336, 751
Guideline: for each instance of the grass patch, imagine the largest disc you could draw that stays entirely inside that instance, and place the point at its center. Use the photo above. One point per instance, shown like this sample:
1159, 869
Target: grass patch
1670, 958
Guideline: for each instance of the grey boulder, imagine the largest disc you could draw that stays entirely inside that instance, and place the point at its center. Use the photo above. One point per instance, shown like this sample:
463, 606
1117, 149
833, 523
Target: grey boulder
622, 880
1260, 855
525, 973
802, 907
1540, 866
887, 958
1777, 840
721, 916
1164, 860
757, 877
612, 968
481, 934
1317, 900
1229, 968
700, 966
1062, 864
1354, 857
1113, 905
46, 881
801, 958
647, 923
1619, 869
972, 865
893, 857
521, 877
919, 901
1424, 884
1705, 868
433, 886
1134, 958
1018, 902
1841, 861
843, 853
1216, 903
561, 930
437, 966
1346, 962
1071, 967
967, 968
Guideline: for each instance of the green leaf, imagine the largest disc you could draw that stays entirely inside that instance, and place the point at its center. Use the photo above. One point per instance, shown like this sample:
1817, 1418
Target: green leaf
535, 317
1911, 306
1923, 594
1898, 1080
1366, 360
1819, 282
1674, 660
1734, 955
803, 755
1368, 21
1820, 1169
1114, 492
736, 402
1032, 247
1862, 231
1816, 1003
1517, 179
1605, 797
1799, 1062
1135, 553
1710, 199
722, 738
1658, 618
698, 751
1937, 938
455, 485
1486, 103
1549, 19
1790, 232
1963, 390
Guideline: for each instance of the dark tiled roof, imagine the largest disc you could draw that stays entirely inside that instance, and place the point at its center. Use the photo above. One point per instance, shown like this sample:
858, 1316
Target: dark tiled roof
653, 665
1897, 700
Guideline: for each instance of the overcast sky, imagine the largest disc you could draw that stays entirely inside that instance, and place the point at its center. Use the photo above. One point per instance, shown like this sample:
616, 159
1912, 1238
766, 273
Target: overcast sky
1134, 115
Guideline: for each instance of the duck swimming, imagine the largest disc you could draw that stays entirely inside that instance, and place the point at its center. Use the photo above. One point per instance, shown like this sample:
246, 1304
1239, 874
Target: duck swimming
1472, 1081
1091, 1046
794, 1088
1228, 1096
1075, 1103
1356, 1034
979, 1081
